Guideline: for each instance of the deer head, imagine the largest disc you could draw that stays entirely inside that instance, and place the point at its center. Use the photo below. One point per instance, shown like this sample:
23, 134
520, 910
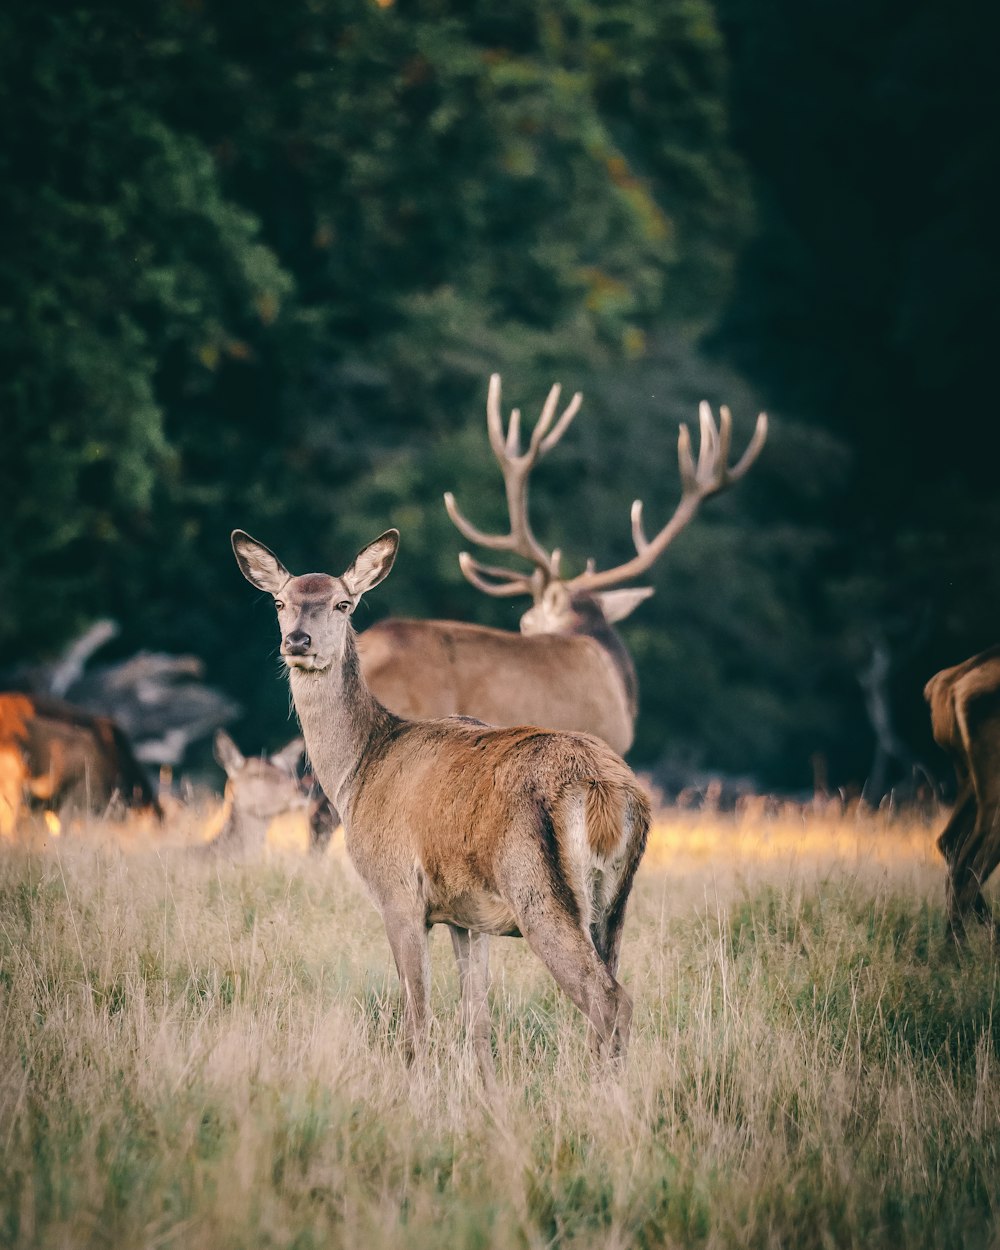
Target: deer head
561, 604
314, 610
261, 786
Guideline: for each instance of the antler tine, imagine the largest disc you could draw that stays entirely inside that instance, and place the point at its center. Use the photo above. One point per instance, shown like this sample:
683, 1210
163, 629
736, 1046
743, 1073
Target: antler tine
725, 435
493, 580
496, 542
513, 445
494, 417
708, 451
516, 468
562, 425
685, 461
753, 449
638, 533
545, 419
699, 481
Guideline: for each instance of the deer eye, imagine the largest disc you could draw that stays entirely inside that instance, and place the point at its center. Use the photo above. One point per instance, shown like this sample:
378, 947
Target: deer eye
343, 606
278, 604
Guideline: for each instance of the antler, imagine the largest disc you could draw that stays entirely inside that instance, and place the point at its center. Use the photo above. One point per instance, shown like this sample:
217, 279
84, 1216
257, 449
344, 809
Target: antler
699, 481
516, 468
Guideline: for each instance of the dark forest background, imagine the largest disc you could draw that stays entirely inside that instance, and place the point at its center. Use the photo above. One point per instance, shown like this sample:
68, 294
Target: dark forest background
259, 260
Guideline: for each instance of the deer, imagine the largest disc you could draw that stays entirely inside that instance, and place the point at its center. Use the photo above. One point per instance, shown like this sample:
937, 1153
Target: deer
53, 753
259, 789
568, 668
512, 831
965, 720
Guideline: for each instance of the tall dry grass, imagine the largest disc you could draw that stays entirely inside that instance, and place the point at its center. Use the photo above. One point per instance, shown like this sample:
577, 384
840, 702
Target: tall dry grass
196, 1053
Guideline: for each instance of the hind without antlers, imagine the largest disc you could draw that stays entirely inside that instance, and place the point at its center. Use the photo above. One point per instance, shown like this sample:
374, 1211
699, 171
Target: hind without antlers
517, 832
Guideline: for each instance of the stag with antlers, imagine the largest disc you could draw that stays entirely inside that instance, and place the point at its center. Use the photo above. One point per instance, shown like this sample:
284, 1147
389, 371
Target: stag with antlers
568, 668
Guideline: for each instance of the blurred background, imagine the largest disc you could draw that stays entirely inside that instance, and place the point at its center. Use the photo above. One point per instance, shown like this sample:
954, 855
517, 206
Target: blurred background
260, 259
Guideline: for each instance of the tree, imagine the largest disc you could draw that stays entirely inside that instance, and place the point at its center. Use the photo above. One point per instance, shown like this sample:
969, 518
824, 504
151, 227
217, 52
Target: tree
865, 303
269, 255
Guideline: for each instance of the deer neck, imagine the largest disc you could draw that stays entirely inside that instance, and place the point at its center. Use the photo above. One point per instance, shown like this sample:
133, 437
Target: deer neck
245, 829
608, 638
340, 719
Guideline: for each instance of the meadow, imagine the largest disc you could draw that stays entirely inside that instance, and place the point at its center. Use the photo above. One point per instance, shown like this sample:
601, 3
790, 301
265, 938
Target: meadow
200, 1053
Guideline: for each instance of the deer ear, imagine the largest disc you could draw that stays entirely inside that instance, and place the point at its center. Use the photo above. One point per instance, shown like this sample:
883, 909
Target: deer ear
228, 754
372, 563
258, 564
617, 604
287, 759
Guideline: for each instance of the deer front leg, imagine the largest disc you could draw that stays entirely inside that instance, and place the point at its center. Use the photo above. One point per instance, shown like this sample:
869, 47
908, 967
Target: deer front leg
472, 954
957, 844
407, 936
978, 858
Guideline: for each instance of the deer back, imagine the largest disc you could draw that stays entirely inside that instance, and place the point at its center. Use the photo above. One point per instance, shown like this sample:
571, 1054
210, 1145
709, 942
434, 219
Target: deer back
451, 804
425, 669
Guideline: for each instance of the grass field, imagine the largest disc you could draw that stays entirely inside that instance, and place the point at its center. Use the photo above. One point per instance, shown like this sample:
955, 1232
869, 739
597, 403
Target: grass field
200, 1054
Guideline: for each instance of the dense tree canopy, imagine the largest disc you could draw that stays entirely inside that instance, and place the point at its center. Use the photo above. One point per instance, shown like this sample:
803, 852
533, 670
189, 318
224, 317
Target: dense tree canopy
263, 258
865, 302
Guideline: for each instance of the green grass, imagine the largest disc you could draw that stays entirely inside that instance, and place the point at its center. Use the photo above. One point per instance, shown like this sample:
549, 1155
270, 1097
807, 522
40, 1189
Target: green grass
200, 1054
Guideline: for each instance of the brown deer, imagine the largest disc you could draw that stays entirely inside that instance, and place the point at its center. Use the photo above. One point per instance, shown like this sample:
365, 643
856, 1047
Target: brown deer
965, 719
53, 754
568, 668
259, 789
519, 832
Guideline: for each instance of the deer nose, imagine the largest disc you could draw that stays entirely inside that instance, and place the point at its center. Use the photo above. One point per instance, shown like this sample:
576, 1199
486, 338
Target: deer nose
297, 642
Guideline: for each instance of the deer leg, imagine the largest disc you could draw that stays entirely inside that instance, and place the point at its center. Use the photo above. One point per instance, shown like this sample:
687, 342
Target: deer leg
607, 932
978, 857
960, 823
408, 939
472, 953
608, 936
551, 930
957, 843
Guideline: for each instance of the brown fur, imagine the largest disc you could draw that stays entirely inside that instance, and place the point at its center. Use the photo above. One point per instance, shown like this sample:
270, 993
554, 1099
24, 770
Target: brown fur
965, 719
55, 753
505, 831
580, 681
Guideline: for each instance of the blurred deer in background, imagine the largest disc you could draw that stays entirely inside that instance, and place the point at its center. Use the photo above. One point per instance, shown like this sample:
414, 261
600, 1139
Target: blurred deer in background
53, 755
568, 668
965, 718
518, 832
260, 790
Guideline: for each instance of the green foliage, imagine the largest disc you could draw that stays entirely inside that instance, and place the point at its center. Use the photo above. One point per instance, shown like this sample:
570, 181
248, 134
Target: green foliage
267, 258
865, 302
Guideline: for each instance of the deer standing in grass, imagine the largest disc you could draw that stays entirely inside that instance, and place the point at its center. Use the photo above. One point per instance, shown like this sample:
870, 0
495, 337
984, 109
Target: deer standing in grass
568, 668
518, 832
965, 717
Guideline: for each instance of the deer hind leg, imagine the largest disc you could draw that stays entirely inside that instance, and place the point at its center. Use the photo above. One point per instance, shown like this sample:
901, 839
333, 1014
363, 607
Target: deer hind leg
472, 954
407, 936
978, 850
549, 922
614, 892
977, 859
955, 843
